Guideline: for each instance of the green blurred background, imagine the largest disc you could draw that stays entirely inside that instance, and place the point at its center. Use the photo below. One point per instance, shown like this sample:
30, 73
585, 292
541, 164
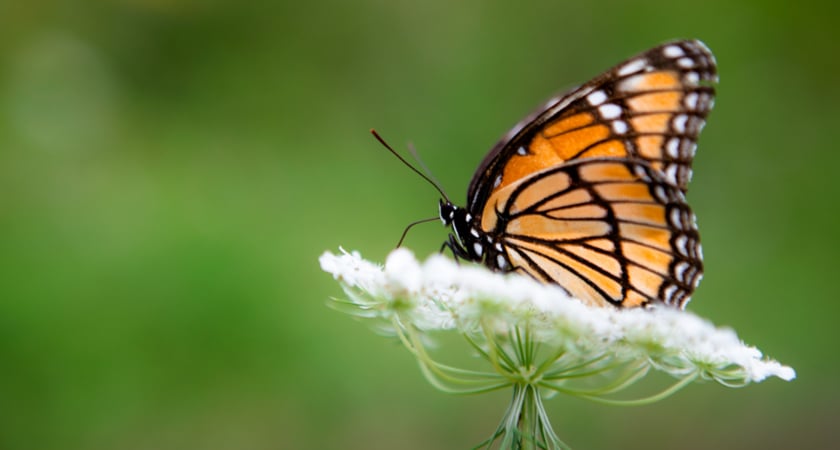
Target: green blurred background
170, 170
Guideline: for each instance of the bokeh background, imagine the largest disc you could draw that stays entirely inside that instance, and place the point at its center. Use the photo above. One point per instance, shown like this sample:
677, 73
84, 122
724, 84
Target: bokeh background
170, 170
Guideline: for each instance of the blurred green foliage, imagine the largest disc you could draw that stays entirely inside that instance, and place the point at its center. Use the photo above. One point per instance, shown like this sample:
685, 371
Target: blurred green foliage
171, 169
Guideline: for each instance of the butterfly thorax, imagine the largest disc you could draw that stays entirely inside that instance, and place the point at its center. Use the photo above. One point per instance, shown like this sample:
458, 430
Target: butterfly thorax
469, 241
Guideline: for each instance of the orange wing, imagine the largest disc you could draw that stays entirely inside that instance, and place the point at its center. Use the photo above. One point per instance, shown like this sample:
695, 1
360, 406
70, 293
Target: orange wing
651, 107
608, 230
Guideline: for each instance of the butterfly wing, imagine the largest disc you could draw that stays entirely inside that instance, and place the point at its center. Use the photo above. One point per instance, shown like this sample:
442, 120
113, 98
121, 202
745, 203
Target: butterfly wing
608, 230
650, 107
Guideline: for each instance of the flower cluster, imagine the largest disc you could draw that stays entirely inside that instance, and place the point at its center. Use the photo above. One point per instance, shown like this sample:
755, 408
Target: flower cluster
537, 338
442, 295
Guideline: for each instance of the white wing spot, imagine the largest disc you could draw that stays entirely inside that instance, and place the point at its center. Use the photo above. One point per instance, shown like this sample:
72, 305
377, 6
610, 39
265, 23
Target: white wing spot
703, 101
704, 47
686, 217
673, 147
610, 111
679, 270
679, 123
671, 174
596, 98
619, 126
695, 125
685, 62
673, 51
682, 244
474, 232
689, 149
632, 67
675, 218
478, 249
498, 246
497, 181
689, 274
641, 173
500, 261
669, 292
521, 151
692, 78
660, 193
700, 124
691, 100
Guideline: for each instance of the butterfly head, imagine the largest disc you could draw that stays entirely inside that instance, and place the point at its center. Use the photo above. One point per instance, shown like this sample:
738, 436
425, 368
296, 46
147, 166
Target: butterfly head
468, 241
447, 212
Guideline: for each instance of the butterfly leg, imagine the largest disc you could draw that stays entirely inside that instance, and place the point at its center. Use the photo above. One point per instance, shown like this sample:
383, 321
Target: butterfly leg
457, 250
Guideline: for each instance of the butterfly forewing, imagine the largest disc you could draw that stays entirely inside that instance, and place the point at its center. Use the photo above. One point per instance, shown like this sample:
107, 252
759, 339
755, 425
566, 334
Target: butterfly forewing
650, 107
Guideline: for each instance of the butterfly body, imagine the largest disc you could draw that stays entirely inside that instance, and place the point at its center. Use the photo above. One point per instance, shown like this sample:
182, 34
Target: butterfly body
588, 193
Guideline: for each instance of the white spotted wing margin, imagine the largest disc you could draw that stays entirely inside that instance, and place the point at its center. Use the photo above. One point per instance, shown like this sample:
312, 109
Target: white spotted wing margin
626, 99
611, 231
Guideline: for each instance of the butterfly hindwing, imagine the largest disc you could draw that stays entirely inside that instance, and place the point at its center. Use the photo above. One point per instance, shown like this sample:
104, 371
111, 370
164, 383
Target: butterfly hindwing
608, 230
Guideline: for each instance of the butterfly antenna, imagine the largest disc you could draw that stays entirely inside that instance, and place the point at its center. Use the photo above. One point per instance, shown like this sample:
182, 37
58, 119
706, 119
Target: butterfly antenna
431, 181
405, 232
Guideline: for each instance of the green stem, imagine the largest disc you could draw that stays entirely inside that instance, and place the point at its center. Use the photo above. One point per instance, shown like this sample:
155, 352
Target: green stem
525, 425
647, 400
439, 374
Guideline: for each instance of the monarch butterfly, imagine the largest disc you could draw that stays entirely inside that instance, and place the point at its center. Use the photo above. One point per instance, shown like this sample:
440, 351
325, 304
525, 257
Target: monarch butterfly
589, 192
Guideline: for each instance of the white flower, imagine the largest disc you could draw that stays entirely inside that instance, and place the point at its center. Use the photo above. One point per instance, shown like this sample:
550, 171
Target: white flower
440, 295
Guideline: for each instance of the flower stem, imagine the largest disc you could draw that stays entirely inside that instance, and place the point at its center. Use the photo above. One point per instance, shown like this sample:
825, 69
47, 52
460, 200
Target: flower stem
525, 425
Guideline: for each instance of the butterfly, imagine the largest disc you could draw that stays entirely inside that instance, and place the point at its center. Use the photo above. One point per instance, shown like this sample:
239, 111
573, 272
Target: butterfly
589, 192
